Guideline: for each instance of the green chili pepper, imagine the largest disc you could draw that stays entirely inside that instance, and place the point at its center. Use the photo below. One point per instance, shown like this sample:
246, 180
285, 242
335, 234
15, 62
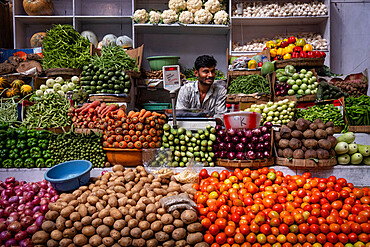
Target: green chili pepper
8, 163
18, 163
29, 163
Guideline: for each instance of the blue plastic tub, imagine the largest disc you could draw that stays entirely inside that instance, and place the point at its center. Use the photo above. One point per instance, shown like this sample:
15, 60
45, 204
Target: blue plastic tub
69, 175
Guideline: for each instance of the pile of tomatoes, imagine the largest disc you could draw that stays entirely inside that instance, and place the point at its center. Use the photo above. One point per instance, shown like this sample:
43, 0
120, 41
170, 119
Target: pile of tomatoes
265, 208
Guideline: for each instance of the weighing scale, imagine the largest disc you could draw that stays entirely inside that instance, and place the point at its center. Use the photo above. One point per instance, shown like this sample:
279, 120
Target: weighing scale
191, 119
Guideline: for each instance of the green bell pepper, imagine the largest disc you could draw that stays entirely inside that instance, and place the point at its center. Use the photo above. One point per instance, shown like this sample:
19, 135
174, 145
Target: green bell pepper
25, 154
40, 163
43, 144
3, 153
22, 144
4, 126
46, 154
32, 142
21, 133
49, 163
10, 133
42, 134
29, 163
8, 163
31, 133
35, 152
3, 134
18, 163
11, 143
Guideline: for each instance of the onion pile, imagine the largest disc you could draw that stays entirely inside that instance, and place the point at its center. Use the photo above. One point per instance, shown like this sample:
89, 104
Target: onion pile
22, 209
282, 89
242, 144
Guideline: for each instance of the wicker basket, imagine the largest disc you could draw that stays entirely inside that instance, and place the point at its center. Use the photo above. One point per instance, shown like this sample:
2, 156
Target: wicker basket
305, 163
245, 163
359, 129
109, 98
300, 62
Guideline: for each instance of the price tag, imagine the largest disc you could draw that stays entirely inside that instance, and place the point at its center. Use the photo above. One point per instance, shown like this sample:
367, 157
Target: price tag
171, 77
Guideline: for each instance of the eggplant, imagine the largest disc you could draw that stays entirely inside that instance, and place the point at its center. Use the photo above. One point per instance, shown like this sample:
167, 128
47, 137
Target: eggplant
240, 156
239, 147
251, 155
231, 155
230, 147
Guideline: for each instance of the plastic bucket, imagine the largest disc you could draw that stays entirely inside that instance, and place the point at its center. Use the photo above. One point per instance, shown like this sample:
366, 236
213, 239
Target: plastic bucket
242, 120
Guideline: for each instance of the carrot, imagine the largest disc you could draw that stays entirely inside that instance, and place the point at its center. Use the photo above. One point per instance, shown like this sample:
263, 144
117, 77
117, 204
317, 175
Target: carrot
130, 114
145, 144
102, 106
120, 113
122, 144
142, 112
147, 114
112, 107
152, 144
138, 144
83, 107
115, 144
136, 114
156, 114
92, 105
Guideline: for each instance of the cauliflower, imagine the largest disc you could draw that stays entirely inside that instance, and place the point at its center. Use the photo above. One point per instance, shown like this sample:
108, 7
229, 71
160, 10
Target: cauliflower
186, 17
140, 16
154, 17
212, 6
194, 5
177, 5
202, 16
221, 17
169, 16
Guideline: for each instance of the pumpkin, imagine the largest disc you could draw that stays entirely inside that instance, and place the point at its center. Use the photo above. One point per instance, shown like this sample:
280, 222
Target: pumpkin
26, 89
11, 92
4, 82
38, 7
17, 84
37, 38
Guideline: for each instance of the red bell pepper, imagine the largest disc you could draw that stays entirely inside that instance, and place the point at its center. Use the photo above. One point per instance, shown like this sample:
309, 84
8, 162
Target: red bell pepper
310, 54
302, 54
291, 40
323, 54
295, 55
317, 54
297, 49
284, 44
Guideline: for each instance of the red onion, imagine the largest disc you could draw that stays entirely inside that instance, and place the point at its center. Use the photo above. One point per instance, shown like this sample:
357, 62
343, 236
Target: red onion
10, 180
54, 198
44, 201
26, 221
267, 154
8, 192
11, 219
235, 139
239, 147
218, 127
230, 147
11, 242
264, 129
44, 184
2, 226
20, 235
231, 132
52, 192
13, 199
254, 139
8, 210
44, 208
259, 155
1, 213
36, 200
28, 212
40, 220
231, 155
248, 133
32, 229
36, 209
22, 200
256, 132
5, 235
223, 154
25, 243
268, 125
15, 226
251, 155
30, 195
36, 215
240, 156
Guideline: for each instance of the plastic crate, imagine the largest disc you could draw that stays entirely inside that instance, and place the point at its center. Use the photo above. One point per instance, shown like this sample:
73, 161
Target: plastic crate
156, 106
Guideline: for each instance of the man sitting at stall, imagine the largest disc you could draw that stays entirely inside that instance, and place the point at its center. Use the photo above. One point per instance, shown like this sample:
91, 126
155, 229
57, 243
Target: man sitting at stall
204, 93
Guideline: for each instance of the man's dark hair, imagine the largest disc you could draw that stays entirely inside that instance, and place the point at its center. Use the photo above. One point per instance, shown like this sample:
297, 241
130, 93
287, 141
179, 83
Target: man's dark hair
205, 61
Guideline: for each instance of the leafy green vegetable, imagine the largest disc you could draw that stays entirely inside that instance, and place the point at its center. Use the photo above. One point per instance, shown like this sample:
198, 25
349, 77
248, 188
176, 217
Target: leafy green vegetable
64, 47
114, 57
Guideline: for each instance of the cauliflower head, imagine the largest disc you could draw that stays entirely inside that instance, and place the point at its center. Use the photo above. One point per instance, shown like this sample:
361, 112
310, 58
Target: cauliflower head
169, 16
221, 17
186, 17
202, 16
194, 5
212, 6
154, 17
177, 5
140, 16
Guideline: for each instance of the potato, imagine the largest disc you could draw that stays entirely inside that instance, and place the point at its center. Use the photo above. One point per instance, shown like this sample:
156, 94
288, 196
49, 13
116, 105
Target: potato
75, 216
125, 241
88, 231
104, 213
78, 225
285, 132
119, 189
297, 134
310, 143
115, 214
152, 243
324, 144
176, 214
48, 226
112, 201
147, 234
298, 154
310, 154
168, 228
322, 153
67, 211
202, 244
321, 126
55, 207
291, 125
144, 225
103, 231
161, 211
125, 231
309, 134
194, 238
283, 143
162, 236
179, 233
161, 192
294, 143
180, 243
189, 216
86, 220
65, 242
116, 168
135, 232
329, 124
51, 215
151, 217
60, 223
195, 227
119, 225
132, 223
332, 140
277, 136
138, 242
92, 199
91, 210
96, 222
67, 197
56, 235
313, 126
288, 153
80, 239
52, 243
178, 223
129, 176
95, 240
69, 233
330, 131
115, 234
156, 225
302, 124
320, 134
128, 218
108, 241
170, 243
167, 219
73, 203
140, 215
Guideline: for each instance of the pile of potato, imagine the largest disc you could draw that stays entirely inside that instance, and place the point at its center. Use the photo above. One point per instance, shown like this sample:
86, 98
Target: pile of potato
305, 140
121, 208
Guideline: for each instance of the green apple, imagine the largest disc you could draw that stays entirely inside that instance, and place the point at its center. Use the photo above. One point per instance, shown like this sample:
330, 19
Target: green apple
300, 92
309, 73
301, 76
305, 80
291, 91
298, 82
303, 71
303, 86
295, 76
308, 91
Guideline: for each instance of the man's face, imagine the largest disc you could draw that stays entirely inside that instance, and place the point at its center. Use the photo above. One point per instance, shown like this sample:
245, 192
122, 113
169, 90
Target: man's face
206, 75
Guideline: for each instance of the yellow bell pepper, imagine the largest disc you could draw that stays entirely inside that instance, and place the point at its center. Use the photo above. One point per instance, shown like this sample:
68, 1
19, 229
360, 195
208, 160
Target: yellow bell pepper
307, 47
273, 52
277, 42
280, 51
286, 40
288, 49
252, 64
292, 46
270, 44
287, 56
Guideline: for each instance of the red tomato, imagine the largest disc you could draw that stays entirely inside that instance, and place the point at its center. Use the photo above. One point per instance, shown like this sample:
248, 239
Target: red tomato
244, 229
342, 238
284, 229
265, 229
206, 223
239, 238
352, 237
321, 238
221, 223
214, 229
212, 216
332, 237
304, 228
208, 238
221, 238
230, 231
203, 174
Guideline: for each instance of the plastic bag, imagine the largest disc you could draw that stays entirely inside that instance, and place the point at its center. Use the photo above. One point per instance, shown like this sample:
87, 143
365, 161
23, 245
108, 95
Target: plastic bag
155, 159
191, 173
177, 202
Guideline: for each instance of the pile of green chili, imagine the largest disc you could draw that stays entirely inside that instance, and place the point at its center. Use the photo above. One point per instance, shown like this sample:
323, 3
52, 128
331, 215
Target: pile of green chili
49, 111
249, 84
358, 110
8, 110
64, 47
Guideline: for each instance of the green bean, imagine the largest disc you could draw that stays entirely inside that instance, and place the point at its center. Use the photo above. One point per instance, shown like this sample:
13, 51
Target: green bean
357, 110
8, 110
248, 84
